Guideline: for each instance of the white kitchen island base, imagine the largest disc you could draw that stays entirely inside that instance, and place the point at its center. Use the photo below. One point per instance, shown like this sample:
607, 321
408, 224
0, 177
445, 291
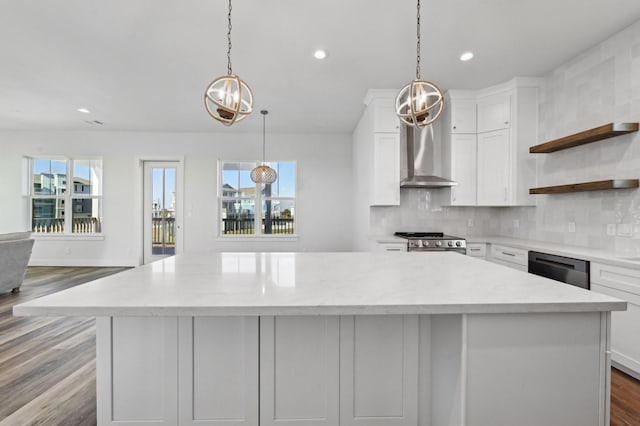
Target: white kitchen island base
369, 370
349, 339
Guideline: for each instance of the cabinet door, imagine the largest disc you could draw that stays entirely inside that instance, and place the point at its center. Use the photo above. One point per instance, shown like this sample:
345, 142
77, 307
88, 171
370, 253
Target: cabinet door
622, 283
464, 169
463, 116
493, 168
494, 113
299, 368
378, 365
385, 119
625, 345
218, 376
386, 170
137, 371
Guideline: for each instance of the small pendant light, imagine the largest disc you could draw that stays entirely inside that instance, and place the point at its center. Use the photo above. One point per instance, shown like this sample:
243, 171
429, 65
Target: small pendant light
420, 102
228, 99
263, 173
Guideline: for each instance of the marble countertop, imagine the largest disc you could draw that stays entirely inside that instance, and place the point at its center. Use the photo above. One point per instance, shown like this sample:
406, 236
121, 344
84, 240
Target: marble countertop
584, 253
346, 283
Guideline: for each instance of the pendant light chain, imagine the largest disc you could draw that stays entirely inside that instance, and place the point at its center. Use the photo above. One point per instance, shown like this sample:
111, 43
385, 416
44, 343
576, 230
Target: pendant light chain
229, 42
418, 45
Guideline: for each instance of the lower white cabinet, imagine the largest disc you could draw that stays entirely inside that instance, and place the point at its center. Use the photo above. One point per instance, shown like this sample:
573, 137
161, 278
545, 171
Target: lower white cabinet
389, 246
378, 365
477, 250
363, 370
510, 256
299, 369
622, 283
218, 377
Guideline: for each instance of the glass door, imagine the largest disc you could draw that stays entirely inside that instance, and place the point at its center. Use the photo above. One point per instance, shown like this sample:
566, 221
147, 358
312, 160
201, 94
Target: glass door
161, 212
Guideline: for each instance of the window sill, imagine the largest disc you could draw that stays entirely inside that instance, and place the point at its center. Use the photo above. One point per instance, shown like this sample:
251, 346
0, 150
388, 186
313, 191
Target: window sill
245, 238
68, 237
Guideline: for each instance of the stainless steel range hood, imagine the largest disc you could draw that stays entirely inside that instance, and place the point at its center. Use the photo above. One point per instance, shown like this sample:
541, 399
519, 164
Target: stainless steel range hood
423, 159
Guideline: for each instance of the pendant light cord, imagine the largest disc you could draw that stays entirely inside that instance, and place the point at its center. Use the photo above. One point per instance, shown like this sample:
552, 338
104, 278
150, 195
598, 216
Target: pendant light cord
418, 45
229, 72
264, 133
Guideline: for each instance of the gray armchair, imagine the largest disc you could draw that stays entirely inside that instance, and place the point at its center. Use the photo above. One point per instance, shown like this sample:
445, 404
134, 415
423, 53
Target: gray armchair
15, 251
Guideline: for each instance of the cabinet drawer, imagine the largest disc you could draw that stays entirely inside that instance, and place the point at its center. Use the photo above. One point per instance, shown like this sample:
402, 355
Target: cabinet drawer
477, 249
616, 277
510, 254
391, 246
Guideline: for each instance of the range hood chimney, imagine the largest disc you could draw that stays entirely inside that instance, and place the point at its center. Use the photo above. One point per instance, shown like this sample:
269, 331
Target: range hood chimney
424, 160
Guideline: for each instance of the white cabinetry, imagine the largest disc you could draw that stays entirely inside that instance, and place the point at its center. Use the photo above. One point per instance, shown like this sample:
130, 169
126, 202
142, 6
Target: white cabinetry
385, 190
218, 377
477, 250
499, 170
390, 246
510, 256
377, 151
463, 169
494, 112
378, 365
493, 168
299, 370
463, 116
624, 284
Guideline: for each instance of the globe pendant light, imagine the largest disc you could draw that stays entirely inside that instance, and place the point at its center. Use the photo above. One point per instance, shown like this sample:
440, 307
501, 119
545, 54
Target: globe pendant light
263, 173
228, 99
420, 102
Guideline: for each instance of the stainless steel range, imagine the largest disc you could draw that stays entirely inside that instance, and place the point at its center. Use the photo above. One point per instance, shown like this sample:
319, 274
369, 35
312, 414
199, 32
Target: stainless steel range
433, 241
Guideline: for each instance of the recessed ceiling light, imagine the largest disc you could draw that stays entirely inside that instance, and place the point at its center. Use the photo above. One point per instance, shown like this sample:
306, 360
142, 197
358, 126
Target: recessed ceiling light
320, 54
466, 56
83, 110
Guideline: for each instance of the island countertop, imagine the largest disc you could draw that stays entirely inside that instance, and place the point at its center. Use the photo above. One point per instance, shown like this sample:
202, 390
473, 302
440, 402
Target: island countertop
344, 283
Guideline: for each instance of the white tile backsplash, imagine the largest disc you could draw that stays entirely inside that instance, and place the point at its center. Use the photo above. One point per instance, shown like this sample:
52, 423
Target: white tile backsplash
599, 86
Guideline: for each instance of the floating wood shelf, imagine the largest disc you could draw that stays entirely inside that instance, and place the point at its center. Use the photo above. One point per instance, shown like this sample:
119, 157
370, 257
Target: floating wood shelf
587, 186
592, 135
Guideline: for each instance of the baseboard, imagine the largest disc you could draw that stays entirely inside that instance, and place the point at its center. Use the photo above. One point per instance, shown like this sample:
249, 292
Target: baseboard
84, 262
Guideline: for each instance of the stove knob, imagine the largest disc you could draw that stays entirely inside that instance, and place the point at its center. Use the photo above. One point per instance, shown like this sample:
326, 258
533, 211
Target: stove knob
450, 243
458, 243
425, 243
438, 243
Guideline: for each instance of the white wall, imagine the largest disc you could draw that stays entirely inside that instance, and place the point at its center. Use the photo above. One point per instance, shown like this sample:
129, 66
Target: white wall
601, 85
323, 193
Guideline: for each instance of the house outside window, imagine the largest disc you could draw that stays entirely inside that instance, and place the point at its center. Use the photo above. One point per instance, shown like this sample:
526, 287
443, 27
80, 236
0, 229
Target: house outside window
250, 209
50, 195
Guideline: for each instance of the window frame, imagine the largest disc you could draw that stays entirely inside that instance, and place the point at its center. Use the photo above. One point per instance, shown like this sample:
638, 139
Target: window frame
67, 197
258, 199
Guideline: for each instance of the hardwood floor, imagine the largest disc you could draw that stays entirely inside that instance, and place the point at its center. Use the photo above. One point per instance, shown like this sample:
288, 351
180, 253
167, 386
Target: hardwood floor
47, 365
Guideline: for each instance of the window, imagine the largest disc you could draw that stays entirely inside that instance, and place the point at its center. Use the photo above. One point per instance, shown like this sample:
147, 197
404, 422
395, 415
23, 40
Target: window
50, 195
242, 200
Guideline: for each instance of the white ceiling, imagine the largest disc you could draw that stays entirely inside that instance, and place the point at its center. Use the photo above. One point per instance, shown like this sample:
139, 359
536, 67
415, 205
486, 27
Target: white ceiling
144, 64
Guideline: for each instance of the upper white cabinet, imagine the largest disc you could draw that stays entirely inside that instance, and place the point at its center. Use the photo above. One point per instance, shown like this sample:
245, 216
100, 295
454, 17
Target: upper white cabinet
493, 168
384, 113
463, 116
464, 159
498, 170
494, 112
377, 151
385, 190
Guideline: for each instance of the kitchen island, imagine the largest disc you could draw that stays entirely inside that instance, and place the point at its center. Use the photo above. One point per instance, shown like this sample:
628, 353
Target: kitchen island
342, 339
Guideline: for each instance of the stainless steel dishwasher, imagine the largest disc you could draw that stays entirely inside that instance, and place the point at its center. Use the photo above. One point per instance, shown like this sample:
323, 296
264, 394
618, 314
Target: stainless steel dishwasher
560, 268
